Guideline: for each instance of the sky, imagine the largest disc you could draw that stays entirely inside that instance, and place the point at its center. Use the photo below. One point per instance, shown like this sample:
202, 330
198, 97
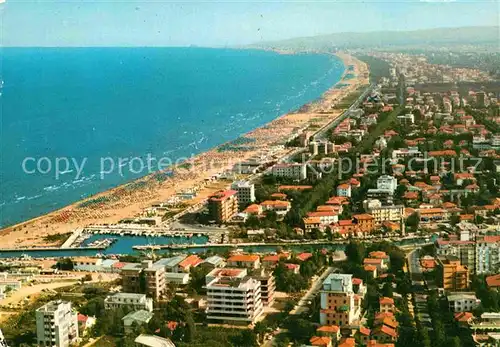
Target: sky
220, 23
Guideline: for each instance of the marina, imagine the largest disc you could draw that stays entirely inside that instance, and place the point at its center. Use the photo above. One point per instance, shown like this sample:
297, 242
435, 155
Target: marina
136, 245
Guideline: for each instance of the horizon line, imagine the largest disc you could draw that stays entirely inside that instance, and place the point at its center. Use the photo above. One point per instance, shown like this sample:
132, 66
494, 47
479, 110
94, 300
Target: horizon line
248, 45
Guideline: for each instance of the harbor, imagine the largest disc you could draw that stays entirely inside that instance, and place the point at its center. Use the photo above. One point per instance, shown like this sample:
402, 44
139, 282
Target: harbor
137, 245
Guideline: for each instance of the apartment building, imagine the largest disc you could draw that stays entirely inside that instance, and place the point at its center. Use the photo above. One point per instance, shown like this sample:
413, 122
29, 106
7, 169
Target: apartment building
387, 182
130, 301
223, 205
393, 213
56, 324
365, 222
267, 287
340, 304
454, 276
156, 283
295, 171
487, 255
245, 192
481, 255
232, 296
131, 274
154, 278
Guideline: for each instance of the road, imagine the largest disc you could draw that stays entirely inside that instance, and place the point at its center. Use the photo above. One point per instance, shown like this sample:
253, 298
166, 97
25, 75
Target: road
414, 265
302, 305
320, 134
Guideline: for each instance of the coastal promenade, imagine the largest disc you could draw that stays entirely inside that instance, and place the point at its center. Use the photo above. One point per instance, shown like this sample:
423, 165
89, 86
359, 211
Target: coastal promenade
132, 199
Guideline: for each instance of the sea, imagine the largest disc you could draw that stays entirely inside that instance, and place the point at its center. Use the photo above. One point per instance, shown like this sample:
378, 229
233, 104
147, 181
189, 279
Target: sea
78, 121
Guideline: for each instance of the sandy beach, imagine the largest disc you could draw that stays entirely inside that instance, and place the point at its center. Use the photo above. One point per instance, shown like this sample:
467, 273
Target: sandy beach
131, 199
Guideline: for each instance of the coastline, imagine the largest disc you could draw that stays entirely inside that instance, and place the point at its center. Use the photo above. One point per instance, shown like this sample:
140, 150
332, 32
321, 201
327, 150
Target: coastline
130, 199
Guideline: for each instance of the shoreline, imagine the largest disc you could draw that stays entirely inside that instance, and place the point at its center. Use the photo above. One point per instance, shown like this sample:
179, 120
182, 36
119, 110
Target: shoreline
127, 201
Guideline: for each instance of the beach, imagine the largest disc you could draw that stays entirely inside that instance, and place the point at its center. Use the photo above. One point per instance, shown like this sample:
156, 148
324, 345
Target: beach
130, 200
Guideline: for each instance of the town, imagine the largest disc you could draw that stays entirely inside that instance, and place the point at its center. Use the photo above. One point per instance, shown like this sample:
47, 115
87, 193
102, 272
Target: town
378, 228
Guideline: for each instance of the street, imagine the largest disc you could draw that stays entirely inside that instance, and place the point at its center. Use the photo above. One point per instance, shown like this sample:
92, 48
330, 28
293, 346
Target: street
302, 305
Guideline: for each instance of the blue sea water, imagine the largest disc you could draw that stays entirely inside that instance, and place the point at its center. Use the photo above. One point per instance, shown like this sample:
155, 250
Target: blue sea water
92, 103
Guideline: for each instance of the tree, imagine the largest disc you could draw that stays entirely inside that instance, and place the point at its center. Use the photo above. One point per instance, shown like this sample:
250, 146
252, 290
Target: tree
413, 221
299, 329
247, 338
65, 264
197, 280
355, 252
260, 329
387, 290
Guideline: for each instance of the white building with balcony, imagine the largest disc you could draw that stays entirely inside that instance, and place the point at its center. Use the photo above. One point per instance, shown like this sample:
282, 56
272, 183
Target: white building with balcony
130, 301
56, 324
232, 296
463, 302
387, 182
295, 171
245, 192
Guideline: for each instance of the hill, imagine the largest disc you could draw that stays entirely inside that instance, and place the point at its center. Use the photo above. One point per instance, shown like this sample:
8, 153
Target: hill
380, 39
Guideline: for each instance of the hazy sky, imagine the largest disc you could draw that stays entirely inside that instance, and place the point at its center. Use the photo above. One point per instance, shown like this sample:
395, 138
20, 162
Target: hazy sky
218, 23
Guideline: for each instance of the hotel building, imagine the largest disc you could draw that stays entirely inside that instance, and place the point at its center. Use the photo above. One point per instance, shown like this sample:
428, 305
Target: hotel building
295, 171
223, 205
232, 296
245, 192
56, 324
454, 276
267, 287
156, 283
340, 304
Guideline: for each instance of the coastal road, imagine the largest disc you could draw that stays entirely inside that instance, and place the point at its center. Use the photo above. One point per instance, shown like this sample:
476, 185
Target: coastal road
321, 134
302, 305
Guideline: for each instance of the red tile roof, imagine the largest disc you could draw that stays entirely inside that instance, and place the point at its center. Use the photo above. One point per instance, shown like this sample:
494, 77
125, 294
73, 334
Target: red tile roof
223, 195
191, 260
386, 301
493, 281
328, 329
463, 316
244, 258
357, 281
320, 341
364, 331
304, 256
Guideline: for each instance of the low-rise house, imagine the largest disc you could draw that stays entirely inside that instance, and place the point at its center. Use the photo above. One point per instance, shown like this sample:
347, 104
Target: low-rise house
144, 340
85, 323
244, 260
363, 335
386, 304
179, 278
464, 318
213, 262
380, 264
371, 270
273, 259
129, 301
279, 206
493, 282
462, 302
332, 331
189, 262
136, 318
325, 217
323, 341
